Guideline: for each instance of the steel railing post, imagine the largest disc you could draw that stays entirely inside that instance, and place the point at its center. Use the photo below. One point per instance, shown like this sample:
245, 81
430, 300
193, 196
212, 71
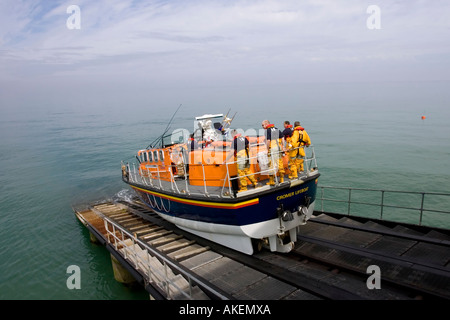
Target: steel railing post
349, 200
421, 208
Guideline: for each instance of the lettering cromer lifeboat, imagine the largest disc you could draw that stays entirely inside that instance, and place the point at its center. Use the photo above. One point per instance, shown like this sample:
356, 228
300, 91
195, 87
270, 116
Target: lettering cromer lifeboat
193, 182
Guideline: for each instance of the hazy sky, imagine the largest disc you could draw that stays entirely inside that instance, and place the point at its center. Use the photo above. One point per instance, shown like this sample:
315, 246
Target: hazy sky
132, 46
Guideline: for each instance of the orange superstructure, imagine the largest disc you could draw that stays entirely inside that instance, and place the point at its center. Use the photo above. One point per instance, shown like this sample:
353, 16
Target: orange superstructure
207, 166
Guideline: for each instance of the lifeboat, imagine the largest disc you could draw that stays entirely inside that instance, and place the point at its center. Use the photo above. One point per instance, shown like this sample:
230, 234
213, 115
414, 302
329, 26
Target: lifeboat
196, 187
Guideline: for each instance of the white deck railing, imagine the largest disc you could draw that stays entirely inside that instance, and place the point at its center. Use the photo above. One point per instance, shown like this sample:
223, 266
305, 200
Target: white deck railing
181, 185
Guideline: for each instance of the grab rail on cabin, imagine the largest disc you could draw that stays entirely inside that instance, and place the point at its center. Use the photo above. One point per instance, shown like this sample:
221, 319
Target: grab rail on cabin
132, 172
419, 208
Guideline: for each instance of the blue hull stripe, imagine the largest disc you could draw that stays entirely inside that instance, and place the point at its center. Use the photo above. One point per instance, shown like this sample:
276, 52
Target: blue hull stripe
261, 208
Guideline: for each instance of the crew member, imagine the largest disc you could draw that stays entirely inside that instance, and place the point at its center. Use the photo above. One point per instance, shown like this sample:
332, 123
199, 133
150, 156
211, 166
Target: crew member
299, 140
287, 132
274, 145
193, 157
287, 129
193, 144
125, 174
241, 148
291, 151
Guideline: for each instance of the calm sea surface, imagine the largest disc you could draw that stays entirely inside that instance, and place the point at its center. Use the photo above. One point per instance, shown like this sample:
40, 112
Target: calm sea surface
55, 156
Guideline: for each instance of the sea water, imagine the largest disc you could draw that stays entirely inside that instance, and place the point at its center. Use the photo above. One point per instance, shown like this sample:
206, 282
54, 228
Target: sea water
55, 156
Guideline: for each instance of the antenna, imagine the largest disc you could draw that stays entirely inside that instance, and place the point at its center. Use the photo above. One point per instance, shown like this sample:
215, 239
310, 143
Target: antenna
226, 122
167, 128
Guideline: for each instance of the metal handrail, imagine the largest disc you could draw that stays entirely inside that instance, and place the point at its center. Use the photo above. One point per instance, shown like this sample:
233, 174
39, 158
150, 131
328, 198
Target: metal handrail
349, 201
166, 262
134, 175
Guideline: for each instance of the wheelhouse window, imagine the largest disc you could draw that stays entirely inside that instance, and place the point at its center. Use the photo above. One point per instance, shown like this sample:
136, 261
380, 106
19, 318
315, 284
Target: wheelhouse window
161, 155
155, 156
142, 156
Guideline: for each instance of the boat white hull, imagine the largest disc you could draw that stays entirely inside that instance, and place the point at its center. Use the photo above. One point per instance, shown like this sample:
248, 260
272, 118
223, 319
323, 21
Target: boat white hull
240, 237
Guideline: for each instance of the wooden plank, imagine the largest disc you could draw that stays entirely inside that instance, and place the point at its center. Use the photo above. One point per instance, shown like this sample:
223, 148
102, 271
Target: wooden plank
154, 235
176, 245
92, 219
121, 216
143, 232
142, 226
125, 220
188, 252
164, 240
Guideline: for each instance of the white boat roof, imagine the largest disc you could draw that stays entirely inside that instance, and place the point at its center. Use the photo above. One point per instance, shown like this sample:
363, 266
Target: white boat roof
209, 116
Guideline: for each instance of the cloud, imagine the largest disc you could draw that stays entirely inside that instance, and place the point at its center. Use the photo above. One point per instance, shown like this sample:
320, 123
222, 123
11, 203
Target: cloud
231, 40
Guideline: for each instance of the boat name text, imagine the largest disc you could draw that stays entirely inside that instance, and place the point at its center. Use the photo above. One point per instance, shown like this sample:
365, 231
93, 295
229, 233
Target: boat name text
293, 193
